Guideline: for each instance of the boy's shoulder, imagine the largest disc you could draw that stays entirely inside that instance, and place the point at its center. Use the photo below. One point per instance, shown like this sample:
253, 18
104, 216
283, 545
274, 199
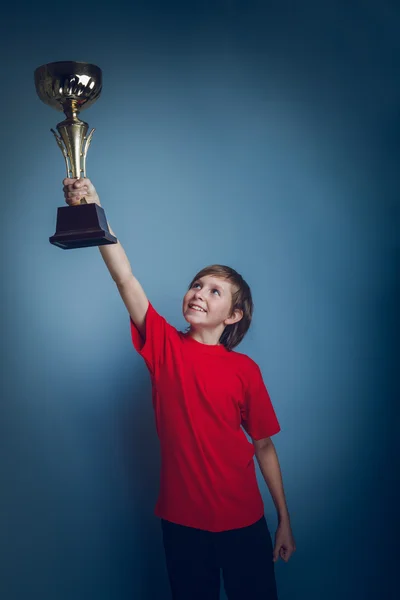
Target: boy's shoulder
244, 361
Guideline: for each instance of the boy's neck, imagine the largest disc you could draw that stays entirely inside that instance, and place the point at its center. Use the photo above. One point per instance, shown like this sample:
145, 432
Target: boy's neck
205, 336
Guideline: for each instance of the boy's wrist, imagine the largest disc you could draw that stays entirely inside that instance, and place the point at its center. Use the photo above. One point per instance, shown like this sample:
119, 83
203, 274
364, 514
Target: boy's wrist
283, 516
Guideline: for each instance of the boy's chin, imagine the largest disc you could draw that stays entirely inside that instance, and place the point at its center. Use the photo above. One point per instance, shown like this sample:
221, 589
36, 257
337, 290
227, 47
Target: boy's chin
192, 319
189, 318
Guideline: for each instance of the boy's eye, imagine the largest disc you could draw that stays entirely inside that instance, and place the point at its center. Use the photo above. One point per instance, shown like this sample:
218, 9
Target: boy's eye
196, 285
215, 290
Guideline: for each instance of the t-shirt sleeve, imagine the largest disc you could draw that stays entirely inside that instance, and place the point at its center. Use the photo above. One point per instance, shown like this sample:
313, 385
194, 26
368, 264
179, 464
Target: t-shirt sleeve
153, 348
258, 415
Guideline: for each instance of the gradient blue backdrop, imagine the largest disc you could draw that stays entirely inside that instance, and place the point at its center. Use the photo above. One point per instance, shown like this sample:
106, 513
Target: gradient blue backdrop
263, 135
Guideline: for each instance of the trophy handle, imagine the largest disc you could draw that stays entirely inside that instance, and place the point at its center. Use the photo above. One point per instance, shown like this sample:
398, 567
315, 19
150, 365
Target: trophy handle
85, 147
63, 150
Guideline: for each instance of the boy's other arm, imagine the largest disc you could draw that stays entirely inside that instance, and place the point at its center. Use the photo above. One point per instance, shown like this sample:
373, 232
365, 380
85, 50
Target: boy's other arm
267, 459
114, 256
268, 462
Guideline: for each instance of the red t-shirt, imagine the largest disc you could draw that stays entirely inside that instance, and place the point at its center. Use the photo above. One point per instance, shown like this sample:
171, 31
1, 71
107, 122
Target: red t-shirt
202, 394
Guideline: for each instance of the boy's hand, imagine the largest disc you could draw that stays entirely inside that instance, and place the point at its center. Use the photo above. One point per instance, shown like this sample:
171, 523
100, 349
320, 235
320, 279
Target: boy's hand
284, 542
75, 189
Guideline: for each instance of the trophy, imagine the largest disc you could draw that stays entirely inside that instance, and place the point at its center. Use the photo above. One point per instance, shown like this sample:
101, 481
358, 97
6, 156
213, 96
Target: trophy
70, 87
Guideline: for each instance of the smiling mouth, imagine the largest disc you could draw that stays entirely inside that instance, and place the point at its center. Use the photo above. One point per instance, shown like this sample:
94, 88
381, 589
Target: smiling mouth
196, 308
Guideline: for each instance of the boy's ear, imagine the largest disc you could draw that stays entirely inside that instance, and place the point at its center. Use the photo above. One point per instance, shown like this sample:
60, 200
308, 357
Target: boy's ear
236, 316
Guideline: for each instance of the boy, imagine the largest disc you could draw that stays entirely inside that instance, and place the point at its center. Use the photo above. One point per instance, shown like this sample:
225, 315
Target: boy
210, 506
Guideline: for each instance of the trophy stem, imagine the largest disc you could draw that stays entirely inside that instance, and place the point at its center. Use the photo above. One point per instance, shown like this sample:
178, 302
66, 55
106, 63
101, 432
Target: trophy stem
73, 140
71, 110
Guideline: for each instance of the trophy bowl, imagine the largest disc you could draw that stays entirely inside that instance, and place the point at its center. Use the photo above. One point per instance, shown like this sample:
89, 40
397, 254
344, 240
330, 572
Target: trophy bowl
58, 83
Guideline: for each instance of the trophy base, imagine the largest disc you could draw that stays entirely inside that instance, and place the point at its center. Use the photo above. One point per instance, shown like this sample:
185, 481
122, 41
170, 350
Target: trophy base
81, 226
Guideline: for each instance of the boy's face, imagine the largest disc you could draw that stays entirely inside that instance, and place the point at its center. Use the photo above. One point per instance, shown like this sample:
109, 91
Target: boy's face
208, 303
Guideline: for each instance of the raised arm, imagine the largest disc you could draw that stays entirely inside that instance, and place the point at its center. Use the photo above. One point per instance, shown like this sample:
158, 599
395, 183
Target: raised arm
114, 256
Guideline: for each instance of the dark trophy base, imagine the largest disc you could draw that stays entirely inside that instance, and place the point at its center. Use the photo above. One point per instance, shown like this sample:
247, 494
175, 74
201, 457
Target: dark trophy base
81, 226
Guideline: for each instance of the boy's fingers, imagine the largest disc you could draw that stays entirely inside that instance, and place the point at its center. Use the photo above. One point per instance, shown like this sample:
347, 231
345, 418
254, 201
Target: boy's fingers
83, 182
74, 194
77, 182
77, 185
71, 191
76, 189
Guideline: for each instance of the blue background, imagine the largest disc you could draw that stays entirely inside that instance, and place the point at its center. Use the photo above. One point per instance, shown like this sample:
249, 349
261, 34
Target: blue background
262, 135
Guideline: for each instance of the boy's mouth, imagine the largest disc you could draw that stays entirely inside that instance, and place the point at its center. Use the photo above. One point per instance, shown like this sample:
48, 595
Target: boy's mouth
196, 307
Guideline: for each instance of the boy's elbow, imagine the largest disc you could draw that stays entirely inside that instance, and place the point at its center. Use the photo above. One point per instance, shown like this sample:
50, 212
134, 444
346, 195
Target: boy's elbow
261, 444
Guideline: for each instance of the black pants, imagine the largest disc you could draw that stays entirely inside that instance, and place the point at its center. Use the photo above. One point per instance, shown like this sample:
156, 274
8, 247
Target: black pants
194, 558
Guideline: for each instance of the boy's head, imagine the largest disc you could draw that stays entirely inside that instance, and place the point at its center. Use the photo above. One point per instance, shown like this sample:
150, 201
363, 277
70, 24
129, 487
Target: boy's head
219, 298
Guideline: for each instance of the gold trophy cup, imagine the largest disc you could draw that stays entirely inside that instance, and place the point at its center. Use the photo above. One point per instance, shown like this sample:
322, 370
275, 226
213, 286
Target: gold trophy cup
70, 87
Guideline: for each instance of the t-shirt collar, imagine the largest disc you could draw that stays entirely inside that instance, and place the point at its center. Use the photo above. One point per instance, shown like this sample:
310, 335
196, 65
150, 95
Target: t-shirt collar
200, 347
